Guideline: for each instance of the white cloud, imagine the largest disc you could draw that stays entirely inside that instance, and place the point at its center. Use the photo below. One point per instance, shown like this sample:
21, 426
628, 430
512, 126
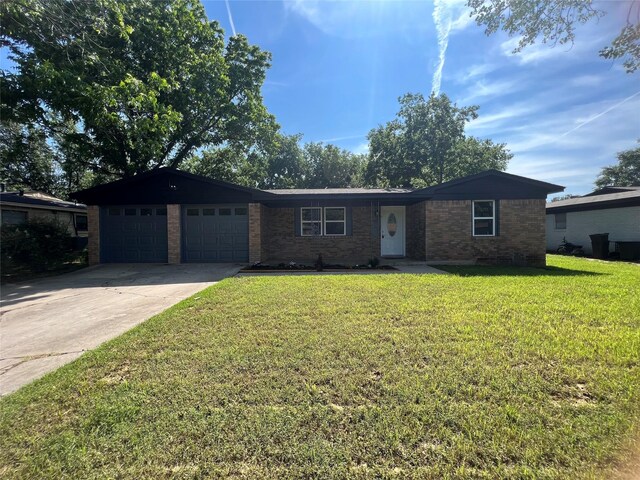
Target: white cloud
443, 13
492, 89
442, 21
339, 139
361, 148
360, 19
474, 71
233, 27
540, 51
587, 80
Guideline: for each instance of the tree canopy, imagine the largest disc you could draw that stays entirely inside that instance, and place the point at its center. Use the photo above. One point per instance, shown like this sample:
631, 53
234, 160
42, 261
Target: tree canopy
285, 163
426, 145
555, 21
146, 82
626, 173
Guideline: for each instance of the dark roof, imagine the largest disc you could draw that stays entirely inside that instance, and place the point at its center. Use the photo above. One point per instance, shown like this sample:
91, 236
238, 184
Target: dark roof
163, 186
611, 189
168, 185
48, 202
596, 202
338, 191
548, 187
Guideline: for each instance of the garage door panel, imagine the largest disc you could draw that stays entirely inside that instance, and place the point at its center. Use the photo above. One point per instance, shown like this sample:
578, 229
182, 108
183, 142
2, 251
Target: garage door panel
140, 236
218, 236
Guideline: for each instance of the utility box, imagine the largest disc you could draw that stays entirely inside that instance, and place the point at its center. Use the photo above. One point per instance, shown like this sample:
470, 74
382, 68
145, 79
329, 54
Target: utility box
600, 245
629, 250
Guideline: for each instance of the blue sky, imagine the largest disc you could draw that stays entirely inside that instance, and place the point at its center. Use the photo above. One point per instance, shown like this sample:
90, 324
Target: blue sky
339, 68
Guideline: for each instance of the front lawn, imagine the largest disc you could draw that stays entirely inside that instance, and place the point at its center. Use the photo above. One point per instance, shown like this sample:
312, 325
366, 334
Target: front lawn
486, 373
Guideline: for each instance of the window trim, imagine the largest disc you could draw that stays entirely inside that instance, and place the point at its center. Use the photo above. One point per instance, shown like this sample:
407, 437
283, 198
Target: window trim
555, 221
343, 222
302, 222
474, 218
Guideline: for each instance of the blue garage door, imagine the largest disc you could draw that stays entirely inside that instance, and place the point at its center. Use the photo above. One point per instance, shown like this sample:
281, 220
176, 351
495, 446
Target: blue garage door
133, 234
215, 233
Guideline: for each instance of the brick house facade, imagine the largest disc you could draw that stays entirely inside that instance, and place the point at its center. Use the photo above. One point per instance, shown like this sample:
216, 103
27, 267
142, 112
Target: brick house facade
174, 217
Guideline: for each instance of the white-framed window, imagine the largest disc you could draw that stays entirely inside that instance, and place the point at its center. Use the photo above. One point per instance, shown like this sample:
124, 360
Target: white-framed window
484, 218
335, 221
561, 221
310, 221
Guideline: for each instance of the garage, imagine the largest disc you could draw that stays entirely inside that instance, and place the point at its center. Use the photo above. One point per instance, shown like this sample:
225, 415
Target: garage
133, 234
215, 233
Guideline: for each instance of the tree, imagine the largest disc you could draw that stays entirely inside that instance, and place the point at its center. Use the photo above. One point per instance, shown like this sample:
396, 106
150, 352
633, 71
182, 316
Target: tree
146, 82
26, 160
426, 145
332, 167
625, 174
555, 21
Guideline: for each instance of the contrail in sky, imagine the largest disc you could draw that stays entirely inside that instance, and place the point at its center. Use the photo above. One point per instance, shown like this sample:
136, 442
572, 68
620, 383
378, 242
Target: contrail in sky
591, 119
233, 27
442, 21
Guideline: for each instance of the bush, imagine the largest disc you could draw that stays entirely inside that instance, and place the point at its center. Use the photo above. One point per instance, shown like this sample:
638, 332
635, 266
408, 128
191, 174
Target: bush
36, 245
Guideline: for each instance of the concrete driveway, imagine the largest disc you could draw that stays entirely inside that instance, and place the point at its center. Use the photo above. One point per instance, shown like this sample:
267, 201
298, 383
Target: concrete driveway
47, 323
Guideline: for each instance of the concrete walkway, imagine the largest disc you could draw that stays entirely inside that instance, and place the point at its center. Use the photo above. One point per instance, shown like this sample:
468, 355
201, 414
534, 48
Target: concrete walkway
49, 322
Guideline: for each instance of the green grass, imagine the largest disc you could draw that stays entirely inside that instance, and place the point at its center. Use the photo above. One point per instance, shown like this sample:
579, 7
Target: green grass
486, 373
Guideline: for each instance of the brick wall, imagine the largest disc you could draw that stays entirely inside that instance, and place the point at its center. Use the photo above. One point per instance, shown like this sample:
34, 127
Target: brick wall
93, 227
255, 232
521, 238
174, 236
279, 241
415, 231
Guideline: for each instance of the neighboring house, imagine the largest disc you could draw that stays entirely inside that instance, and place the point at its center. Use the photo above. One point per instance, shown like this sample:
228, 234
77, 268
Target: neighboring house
612, 210
20, 207
166, 215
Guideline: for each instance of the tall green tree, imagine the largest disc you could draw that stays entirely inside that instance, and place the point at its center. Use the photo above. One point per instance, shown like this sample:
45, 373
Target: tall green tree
147, 82
625, 173
332, 167
27, 161
555, 21
426, 145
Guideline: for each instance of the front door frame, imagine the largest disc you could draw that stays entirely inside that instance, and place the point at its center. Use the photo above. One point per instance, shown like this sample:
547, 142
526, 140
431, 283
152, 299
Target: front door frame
402, 230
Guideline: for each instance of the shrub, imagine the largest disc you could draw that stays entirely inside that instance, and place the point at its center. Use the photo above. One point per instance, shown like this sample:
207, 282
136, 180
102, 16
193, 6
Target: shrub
35, 245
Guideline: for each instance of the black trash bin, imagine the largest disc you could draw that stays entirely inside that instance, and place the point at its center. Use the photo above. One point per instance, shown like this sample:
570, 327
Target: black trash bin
600, 245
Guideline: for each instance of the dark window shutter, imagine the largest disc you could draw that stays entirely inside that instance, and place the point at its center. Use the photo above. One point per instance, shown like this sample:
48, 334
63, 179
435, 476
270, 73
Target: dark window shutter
296, 221
348, 221
497, 219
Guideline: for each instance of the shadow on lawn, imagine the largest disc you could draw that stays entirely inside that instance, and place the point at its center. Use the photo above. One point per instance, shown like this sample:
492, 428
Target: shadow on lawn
491, 271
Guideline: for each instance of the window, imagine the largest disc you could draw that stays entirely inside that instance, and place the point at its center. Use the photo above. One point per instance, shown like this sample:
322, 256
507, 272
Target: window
224, 211
81, 222
335, 221
193, 212
130, 211
208, 212
241, 211
484, 213
162, 212
561, 221
13, 217
114, 211
310, 221
146, 212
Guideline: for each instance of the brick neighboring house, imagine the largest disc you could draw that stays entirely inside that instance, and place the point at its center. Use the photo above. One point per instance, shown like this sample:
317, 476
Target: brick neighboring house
166, 215
23, 206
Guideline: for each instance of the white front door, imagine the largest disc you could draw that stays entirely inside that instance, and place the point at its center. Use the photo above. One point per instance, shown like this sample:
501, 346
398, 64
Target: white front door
392, 231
